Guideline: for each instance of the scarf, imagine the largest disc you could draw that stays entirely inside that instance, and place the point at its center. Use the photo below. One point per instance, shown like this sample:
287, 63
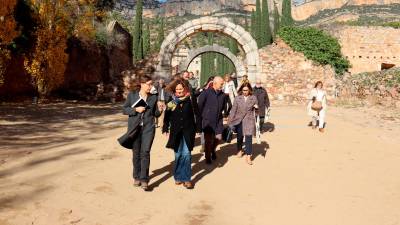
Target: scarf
176, 101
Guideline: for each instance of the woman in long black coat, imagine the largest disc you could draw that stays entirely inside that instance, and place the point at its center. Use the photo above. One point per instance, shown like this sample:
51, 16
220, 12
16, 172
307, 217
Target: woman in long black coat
180, 125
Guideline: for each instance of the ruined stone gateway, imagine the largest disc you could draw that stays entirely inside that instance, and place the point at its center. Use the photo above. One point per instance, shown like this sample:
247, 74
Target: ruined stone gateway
210, 24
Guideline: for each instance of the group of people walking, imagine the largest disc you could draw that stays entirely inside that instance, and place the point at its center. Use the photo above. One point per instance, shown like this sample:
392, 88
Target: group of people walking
188, 110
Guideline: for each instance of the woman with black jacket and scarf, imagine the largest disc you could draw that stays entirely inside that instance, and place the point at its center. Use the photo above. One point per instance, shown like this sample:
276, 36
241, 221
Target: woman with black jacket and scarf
180, 125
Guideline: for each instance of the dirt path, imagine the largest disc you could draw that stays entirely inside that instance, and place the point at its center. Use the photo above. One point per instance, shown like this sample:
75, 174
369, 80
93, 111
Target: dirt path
66, 167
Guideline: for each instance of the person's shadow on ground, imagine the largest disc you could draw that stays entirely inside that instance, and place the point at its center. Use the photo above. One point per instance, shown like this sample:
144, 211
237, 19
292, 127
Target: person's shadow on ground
200, 169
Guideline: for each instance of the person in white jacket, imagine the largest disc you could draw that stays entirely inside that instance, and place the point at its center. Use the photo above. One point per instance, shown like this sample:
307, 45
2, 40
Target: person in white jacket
230, 92
317, 106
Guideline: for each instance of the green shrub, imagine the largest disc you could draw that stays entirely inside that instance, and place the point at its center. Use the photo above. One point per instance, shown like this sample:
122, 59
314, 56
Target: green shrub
316, 45
392, 24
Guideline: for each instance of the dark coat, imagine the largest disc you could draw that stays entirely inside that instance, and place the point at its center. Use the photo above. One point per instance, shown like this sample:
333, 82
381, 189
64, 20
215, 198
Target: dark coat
243, 112
211, 105
263, 100
148, 118
181, 122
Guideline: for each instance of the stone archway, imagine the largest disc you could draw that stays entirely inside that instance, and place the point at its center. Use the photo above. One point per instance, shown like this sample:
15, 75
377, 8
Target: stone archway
210, 24
240, 69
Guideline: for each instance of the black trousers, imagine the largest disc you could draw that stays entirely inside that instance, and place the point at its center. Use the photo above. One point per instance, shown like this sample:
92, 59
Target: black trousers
228, 105
262, 119
141, 154
210, 143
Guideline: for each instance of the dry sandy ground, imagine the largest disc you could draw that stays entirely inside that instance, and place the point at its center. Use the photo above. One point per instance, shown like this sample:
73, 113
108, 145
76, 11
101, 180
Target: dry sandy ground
60, 164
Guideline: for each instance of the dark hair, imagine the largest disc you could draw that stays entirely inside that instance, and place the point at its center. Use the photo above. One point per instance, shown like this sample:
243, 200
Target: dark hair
140, 79
172, 86
318, 82
240, 91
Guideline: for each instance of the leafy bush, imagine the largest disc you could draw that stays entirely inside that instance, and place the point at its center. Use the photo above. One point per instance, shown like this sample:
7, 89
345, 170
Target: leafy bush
316, 45
392, 24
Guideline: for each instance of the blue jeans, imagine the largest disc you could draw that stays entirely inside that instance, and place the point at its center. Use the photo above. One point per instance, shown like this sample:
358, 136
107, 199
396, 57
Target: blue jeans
248, 142
183, 161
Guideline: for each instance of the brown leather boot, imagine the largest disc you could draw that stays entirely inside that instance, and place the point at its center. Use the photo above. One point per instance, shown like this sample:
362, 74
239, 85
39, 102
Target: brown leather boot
188, 185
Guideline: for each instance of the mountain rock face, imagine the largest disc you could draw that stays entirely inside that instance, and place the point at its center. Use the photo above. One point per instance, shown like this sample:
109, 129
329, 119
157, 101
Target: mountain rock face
301, 10
182, 7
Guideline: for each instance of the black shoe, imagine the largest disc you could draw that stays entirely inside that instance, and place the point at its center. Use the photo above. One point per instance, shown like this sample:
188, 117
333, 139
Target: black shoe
213, 156
208, 161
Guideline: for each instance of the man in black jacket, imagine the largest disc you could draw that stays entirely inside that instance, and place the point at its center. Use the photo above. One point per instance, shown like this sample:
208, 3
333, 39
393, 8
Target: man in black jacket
263, 101
211, 103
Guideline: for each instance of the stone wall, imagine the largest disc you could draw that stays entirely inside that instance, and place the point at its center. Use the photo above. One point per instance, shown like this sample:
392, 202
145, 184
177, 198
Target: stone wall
374, 88
289, 76
367, 48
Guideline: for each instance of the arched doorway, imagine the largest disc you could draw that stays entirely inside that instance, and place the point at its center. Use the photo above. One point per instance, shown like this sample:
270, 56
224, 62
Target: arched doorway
210, 24
238, 64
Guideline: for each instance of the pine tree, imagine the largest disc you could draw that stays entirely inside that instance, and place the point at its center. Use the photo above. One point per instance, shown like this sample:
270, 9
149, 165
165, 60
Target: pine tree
160, 36
266, 35
146, 41
138, 31
276, 21
258, 23
287, 19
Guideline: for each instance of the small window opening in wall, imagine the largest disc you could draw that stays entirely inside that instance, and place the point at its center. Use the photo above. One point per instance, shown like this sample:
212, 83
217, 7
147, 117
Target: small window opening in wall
374, 57
360, 56
386, 66
381, 57
354, 56
394, 57
367, 57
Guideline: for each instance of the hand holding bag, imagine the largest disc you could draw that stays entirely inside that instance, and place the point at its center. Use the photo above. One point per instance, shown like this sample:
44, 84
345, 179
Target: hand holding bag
227, 134
316, 106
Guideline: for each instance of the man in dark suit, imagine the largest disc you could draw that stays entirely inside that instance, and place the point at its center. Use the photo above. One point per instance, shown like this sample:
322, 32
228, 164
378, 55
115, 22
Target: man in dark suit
211, 104
263, 101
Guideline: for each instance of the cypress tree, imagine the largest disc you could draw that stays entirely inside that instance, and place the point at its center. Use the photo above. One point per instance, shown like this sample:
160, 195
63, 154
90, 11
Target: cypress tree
276, 21
138, 31
146, 41
233, 47
253, 24
160, 36
258, 23
266, 35
287, 19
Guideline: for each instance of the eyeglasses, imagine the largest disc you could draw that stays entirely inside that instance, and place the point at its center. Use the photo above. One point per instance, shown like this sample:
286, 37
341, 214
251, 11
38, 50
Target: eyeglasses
245, 90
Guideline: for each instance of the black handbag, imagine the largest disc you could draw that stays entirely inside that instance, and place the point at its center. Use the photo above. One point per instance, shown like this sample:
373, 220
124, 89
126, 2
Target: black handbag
227, 134
127, 139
